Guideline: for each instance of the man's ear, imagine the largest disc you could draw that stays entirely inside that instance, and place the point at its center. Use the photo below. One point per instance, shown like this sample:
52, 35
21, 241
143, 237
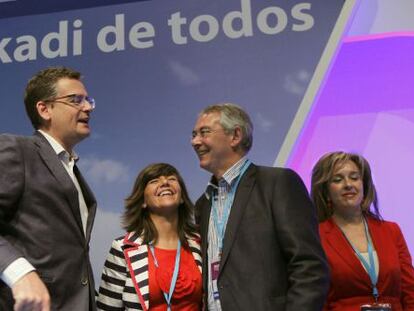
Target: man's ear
237, 137
43, 110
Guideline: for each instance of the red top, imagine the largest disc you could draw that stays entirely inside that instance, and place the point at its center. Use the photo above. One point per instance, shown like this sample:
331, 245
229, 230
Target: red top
188, 289
350, 284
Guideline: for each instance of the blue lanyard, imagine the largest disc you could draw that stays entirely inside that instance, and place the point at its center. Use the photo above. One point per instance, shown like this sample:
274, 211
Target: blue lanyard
220, 223
168, 296
370, 267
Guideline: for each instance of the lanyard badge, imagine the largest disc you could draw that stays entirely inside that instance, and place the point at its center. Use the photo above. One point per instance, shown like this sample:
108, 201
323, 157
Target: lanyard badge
376, 307
370, 267
168, 296
221, 222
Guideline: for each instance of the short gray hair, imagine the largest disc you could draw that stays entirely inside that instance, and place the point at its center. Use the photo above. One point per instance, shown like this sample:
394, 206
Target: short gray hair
231, 116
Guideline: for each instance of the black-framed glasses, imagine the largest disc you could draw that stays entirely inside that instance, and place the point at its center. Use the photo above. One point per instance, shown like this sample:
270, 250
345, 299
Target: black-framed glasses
74, 100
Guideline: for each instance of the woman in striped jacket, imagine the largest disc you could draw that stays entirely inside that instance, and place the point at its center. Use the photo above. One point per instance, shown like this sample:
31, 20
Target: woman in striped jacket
157, 264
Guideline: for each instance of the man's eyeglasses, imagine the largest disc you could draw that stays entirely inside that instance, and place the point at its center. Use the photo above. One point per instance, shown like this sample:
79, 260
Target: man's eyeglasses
74, 100
204, 132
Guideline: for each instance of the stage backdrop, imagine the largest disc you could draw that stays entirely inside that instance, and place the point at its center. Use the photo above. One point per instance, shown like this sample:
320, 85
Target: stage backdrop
366, 105
152, 65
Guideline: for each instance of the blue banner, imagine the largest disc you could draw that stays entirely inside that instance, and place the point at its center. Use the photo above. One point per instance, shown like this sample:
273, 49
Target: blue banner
152, 66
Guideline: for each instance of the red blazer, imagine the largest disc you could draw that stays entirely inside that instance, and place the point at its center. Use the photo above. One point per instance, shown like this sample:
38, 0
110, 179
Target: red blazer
350, 284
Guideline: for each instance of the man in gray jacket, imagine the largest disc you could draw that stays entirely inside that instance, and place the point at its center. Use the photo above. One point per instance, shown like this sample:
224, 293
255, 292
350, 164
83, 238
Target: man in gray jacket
46, 207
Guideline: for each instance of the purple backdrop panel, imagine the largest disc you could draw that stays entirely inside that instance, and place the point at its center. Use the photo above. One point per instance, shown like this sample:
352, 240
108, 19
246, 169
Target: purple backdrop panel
367, 106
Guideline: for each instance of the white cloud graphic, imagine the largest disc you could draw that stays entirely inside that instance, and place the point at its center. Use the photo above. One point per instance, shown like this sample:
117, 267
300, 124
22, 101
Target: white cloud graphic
263, 123
104, 170
184, 74
297, 82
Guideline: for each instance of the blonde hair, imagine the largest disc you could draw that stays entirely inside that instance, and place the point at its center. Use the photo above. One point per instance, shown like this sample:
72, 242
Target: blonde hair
322, 173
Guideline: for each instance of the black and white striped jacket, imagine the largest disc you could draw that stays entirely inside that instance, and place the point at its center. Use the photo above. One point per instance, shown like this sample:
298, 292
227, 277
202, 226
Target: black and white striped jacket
124, 283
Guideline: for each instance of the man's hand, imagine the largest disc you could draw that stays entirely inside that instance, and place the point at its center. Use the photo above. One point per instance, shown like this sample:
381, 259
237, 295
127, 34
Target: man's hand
30, 294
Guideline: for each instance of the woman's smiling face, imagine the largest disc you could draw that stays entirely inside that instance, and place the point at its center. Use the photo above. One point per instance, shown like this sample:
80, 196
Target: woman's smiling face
163, 193
345, 187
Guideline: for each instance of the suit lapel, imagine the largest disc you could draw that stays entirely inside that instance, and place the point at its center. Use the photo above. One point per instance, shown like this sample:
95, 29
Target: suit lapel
89, 200
136, 256
341, 246
56, 168
205, 209
378, 241
240, 202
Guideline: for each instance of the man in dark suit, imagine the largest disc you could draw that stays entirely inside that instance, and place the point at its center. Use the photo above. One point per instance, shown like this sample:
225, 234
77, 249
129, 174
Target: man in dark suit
260, 243
46, 207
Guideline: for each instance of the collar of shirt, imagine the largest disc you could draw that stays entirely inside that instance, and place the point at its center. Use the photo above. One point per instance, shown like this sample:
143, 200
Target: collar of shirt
58, 148
228, 178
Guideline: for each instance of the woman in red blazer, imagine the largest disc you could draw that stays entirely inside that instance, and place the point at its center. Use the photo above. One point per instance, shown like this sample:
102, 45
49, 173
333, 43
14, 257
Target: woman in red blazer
343, 192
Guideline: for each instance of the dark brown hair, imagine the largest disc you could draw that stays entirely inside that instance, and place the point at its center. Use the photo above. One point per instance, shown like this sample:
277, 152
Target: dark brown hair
322, 174
136, 218
43, 86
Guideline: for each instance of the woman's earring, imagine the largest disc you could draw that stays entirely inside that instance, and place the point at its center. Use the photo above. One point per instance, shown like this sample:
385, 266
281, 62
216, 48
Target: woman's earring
329, 204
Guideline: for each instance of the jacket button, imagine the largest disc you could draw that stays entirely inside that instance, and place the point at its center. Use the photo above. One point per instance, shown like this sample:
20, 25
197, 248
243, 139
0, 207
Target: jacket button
84, 281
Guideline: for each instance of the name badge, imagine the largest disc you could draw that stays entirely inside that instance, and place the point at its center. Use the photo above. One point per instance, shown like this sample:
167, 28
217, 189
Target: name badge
376, 307
215, 267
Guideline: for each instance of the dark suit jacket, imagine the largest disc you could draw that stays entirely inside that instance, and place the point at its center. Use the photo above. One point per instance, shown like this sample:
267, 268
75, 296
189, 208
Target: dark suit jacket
40, 221
350, 283
272, 258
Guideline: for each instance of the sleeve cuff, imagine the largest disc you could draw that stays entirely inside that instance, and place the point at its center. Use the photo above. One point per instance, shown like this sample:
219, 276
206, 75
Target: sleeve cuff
15, 271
